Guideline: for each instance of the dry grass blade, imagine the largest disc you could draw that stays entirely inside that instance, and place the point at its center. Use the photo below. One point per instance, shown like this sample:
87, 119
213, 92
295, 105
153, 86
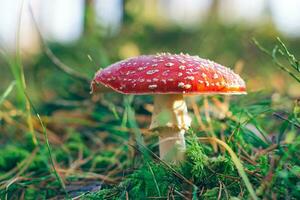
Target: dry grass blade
197, 113
285, 119
18, 72
210, 126
21, 167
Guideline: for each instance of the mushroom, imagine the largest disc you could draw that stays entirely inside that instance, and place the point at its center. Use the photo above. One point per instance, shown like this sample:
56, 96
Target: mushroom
168, 78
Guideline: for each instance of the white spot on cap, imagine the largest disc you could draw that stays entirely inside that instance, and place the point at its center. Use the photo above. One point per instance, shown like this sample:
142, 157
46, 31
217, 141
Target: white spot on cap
181, 85
190, 78
155, 79
152, 71
187, 86
215, 76
184, 86
200, 81
154, 65
165, 73
130, 72
182, 61
151, 87
203, 75
180, 74
182, 67
169, 64
164, 81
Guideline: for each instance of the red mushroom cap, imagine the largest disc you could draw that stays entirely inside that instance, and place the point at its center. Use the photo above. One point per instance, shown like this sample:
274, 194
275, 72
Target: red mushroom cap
168, 74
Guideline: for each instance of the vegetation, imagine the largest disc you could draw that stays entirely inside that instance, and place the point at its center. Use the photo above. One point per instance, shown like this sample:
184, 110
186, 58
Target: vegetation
58, 141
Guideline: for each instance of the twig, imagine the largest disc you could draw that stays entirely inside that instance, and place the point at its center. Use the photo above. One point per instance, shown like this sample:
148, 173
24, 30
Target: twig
285, 119
265, 151
89, 175
177, 192
68, 70
220, 190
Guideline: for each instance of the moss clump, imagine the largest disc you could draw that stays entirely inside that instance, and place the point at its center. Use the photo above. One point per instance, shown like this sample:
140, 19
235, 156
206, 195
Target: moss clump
11, 156
150, 180
154, 179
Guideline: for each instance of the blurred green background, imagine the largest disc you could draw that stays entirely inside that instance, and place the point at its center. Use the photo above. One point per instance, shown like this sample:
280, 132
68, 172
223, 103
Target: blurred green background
108, 31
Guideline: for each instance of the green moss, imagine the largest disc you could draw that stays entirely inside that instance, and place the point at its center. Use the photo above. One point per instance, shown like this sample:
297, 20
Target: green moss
154, 179
104, 159
11, 156
39, 163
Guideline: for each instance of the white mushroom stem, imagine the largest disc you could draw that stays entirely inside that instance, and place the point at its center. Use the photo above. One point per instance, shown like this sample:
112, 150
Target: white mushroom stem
170, 119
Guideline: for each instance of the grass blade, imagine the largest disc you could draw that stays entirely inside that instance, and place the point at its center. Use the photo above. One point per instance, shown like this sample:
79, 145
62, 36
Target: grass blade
59, 179
294, 63
7, 92
237, 163
154, 179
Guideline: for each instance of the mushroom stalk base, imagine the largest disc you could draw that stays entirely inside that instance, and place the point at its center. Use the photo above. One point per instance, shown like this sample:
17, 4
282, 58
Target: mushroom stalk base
170, 119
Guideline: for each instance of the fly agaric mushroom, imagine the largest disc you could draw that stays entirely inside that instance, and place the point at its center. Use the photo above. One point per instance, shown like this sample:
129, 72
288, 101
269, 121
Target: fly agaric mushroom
168, 78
